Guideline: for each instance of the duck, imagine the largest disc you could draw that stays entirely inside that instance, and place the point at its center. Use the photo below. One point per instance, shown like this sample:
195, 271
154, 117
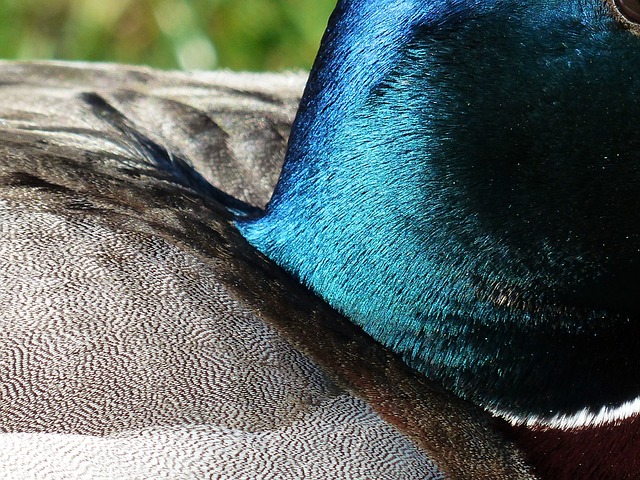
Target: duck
451, 192
143, 337
440, 286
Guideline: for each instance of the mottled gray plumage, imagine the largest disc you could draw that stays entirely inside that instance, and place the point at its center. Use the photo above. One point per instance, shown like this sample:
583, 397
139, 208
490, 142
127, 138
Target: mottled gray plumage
232, 128
141, 337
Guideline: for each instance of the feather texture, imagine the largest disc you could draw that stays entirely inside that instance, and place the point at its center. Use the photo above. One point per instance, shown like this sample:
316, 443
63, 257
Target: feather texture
471, 191
462, 183
143, 338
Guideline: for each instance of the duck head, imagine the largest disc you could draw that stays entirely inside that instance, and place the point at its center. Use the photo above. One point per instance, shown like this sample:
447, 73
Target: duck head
462, 181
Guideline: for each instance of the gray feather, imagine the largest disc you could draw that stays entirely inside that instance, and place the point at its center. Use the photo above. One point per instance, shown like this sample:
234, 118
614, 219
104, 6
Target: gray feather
141, 337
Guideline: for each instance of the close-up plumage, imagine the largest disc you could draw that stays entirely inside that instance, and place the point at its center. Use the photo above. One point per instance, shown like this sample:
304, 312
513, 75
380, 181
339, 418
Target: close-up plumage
421, 265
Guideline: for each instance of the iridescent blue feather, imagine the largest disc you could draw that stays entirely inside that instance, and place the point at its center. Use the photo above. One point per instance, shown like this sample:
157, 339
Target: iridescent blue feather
461, 181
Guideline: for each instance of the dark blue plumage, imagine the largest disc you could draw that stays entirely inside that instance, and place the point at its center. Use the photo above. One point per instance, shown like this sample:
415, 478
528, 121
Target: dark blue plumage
462, 182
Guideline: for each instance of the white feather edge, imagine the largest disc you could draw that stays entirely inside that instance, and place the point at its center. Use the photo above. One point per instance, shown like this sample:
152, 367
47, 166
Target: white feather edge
580, 419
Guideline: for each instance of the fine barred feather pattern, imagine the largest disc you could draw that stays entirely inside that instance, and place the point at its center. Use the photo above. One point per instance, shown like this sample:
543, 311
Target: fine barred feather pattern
122, 356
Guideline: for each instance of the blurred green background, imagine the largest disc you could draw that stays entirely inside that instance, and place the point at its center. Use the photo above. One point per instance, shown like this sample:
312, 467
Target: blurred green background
253, 35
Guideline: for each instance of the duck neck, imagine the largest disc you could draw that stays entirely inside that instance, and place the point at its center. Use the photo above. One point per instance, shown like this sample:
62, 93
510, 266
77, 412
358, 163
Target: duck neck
340, 183
445, 223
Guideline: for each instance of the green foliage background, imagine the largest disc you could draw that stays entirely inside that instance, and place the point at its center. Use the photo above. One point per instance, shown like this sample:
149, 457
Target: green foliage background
190, 34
